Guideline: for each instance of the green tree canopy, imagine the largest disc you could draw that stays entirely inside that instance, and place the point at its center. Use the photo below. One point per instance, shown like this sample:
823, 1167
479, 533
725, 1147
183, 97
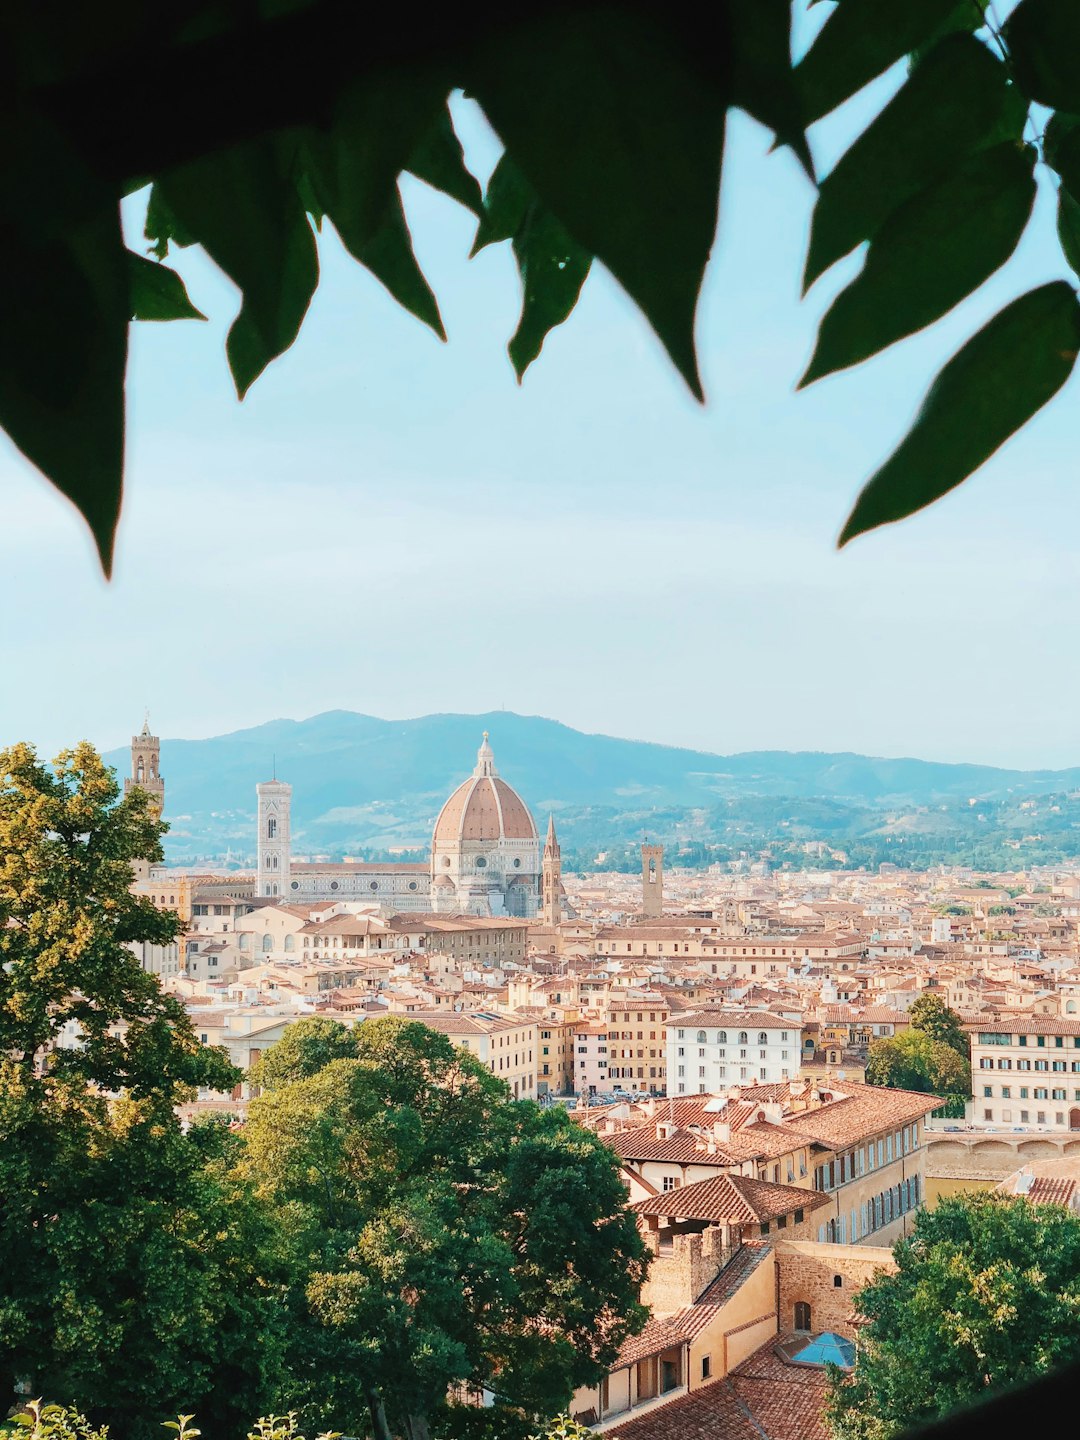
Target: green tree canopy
985, 1295
931, 1016
304, 1049
133, 1276
441, 1234
913, 1060
271, 120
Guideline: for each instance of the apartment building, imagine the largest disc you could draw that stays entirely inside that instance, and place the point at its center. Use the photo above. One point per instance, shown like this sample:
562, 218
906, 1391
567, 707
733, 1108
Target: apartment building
710, 1049
506, 1044
637, 1043
1025, 1073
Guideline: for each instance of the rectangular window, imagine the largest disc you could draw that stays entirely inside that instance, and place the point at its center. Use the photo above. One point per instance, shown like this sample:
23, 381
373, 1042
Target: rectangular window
988, 1091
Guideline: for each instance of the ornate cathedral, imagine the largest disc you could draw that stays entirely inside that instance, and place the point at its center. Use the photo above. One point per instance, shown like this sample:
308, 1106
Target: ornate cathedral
485, 855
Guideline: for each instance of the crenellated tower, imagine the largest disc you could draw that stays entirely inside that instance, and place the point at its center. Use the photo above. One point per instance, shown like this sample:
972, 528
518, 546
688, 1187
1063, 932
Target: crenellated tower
145, 768
652, 881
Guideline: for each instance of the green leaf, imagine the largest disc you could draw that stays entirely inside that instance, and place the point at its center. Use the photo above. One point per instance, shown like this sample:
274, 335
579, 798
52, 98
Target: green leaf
353, 167
507, 201
860, 40
619, 130
1002, 377
388, 254
440, 161
761, 77
956, 101
553, 269
157, 293
162, 228
1061, 150
63, 352
243, 207
1043, 38
932, 252
1068, 227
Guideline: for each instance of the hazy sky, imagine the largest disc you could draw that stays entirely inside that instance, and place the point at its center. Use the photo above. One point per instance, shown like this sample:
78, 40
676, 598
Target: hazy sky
391, 525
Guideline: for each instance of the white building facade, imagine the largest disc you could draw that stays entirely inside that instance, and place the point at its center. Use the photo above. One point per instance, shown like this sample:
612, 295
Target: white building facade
710, 1050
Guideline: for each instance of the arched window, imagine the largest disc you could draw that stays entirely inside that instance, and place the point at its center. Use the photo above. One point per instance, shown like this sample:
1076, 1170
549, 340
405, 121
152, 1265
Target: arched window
1070, 1007
267, 863
139, 771
722, 1037
243, 941
290, 942
701, 1037
742, 1037
271, 829
267, 942
763, 1037
802, 1315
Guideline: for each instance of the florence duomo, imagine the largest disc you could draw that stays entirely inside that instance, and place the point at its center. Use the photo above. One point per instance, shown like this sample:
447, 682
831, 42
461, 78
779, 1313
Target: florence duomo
485, 855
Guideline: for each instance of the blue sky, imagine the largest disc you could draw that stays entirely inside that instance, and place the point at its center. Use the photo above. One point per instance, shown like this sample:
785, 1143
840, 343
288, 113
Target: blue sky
391, 525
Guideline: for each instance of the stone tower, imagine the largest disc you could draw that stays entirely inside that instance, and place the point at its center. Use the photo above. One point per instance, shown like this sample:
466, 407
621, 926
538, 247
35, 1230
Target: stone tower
145, 772
652, 881
551, 865
273, 847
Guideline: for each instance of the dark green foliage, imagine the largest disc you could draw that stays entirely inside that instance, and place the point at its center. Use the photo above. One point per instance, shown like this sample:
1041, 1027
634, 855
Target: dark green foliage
930, 254
158, 293
933, 1017
439, 1233
858, 41
949, 106
1002, 377
251, 127
137, 1269
984, 1296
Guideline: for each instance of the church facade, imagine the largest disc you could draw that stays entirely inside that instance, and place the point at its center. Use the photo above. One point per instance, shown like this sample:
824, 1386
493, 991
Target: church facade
485, 855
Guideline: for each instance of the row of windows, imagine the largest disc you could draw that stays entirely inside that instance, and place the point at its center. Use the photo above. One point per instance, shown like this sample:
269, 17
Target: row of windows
853, 1163
721, 1037
1040, 1093
1004, 1063
722, 1054
995, 1037
873, 1214
1025, 1115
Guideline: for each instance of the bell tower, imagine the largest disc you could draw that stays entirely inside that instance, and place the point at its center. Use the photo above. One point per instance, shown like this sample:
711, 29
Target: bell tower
145, 772
273, 846
551, 866
652, 881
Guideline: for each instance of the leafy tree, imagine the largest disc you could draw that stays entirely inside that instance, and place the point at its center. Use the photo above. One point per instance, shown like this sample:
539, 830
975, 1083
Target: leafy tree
985, 1295
304, 1049
269, 124
914, 1060
441, 1235
132, 1277
931, 1016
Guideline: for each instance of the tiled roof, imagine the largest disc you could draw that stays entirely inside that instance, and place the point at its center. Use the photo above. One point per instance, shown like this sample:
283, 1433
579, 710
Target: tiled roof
736, 1019
733, 1198
762, 1399
1029, 1024
1051, 1191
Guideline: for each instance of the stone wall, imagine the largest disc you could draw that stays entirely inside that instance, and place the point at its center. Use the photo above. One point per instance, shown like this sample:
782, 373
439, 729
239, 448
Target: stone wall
677, 1278
810, 1272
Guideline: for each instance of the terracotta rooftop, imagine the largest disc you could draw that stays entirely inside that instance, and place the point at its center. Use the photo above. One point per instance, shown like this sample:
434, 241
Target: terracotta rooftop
735, 1199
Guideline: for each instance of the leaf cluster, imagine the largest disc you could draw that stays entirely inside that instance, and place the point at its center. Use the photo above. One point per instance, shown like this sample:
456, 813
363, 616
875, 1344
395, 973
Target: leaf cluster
274, 121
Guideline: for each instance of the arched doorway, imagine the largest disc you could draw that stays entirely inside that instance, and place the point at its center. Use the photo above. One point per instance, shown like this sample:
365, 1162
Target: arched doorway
802, 1315
1074, 1119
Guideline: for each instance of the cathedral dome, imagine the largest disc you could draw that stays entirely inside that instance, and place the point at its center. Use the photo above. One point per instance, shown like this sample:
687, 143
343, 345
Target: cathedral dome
484, 808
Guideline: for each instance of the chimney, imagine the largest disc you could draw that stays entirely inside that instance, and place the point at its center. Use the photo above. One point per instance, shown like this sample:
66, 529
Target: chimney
773, 1112
721, 1131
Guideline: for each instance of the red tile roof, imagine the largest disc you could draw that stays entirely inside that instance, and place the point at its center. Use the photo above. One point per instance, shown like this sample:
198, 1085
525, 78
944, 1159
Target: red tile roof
733, 1198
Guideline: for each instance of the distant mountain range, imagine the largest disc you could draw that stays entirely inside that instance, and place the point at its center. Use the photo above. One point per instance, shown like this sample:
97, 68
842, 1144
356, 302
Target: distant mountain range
364, 785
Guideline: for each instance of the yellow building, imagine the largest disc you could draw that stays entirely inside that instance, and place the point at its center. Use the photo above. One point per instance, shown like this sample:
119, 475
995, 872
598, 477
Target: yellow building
506, 1044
